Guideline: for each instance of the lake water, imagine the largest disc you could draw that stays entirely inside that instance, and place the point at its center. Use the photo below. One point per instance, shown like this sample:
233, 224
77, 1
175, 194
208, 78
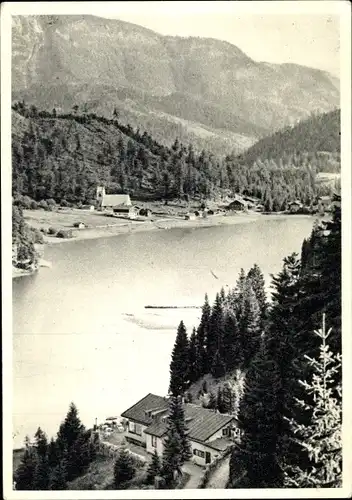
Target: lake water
80, 329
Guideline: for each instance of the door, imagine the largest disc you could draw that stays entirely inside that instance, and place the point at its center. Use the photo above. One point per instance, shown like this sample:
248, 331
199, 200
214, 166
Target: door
207, 457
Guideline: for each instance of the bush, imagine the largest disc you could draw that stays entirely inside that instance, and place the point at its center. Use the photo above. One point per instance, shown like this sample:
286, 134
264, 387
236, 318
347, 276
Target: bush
23, 202
43, 204
64, 233
52, 231
37, 236
64, 203
34, 205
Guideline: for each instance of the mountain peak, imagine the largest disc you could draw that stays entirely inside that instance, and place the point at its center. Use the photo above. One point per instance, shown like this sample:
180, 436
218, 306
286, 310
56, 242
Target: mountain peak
202, 88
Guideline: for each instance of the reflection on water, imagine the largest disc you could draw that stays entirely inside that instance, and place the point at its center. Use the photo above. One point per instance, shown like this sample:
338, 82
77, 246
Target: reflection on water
81, 332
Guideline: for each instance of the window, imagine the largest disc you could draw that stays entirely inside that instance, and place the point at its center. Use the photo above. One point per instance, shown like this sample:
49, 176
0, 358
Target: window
226, 432
199, 453
135, 428
154, 441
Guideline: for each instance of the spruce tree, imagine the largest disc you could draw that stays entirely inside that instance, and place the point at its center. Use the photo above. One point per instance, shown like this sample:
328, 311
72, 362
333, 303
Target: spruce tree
154, 468
73, 443
25, 473
233, 355
41, 443
193, 357
58, 477
41, 474
319, 438
53, 453
212, 403
176, 444
218, 367
179, 366
255, 457
124, 469
258, 285
219, 401
202, 336
227, 398
172, 457
251, 324
215, 333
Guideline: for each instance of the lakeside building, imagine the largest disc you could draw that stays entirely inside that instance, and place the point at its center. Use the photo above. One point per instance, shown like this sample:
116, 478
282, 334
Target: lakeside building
295, 206
239, 205
120, 204
112, 200
210, 433
128, 211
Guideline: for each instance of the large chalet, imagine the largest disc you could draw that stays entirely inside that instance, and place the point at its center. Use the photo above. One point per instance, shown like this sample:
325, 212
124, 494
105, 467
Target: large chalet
210, 433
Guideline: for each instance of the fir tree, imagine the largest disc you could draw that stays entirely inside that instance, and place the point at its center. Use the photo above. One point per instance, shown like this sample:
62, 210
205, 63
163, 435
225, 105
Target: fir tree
124, 469
212, 404
251, 320
73, 443
214, 341
193, 357
218, 367
179, 366
258, 285
233, 355
227, 398
41, 474
172, 457
53, 453
320, 438
255, 458
202, 336
25, 473
219, 401
41, 443
58, 477
176, 444
154, 468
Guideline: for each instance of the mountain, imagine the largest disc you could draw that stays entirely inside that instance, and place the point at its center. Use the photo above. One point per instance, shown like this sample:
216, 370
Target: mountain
204, 91
317, 138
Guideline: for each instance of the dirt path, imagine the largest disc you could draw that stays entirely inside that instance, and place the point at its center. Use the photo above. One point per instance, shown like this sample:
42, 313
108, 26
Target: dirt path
220, 476
195, 472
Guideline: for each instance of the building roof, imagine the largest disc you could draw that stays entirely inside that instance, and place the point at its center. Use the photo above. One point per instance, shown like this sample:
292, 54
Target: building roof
112, 200
201, 422
204, 422
122, 207
150, 402
220, 444
238, 200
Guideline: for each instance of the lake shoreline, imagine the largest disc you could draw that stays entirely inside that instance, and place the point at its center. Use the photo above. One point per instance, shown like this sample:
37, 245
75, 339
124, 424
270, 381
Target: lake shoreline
132, 227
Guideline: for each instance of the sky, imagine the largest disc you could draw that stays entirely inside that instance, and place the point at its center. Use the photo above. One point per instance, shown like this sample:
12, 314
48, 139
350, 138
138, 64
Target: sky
310, 38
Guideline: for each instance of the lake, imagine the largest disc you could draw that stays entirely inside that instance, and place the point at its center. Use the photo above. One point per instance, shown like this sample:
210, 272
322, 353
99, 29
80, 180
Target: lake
81, 331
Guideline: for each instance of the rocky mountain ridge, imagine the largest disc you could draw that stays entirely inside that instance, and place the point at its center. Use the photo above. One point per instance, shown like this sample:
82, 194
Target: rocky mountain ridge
202, 90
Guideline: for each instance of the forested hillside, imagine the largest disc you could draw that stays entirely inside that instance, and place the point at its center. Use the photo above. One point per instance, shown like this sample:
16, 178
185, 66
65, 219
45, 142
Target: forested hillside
24, 238
288, 351
65, 156
204, 91
314, 142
